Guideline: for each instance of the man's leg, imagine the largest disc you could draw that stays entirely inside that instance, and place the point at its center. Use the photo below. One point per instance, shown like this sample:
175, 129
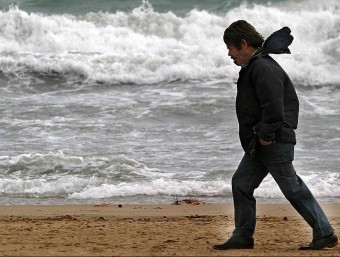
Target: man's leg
277, 158
246, 179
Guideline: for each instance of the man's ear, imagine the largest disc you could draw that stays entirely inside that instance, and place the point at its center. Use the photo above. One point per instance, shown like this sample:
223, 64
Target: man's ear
244, 43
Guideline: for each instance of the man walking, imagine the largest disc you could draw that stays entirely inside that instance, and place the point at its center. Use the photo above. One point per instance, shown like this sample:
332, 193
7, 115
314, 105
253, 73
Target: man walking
267, 110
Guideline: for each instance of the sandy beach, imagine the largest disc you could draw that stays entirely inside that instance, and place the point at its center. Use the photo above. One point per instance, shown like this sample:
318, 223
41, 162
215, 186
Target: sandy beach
150, 230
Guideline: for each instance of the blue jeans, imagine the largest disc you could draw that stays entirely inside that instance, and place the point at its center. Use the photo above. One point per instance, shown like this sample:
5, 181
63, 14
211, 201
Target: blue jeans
275, 159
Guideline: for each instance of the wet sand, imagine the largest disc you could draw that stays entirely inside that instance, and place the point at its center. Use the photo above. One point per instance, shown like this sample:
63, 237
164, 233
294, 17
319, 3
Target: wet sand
151, 230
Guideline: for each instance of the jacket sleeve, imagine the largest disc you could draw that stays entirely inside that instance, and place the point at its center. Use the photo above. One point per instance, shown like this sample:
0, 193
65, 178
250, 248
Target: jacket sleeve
268, 82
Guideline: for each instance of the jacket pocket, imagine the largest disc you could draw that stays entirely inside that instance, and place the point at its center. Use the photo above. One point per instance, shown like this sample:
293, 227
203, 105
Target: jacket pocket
286, 134
252, 145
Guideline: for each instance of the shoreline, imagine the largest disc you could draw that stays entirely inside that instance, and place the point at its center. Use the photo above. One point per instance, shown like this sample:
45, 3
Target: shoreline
151, 230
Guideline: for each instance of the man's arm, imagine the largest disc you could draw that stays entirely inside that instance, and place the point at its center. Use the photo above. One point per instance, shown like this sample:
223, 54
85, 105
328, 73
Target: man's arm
269, 87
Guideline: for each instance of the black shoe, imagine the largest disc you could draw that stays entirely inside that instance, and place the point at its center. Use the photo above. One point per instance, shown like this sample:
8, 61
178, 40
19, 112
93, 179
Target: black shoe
325, 242
235, 244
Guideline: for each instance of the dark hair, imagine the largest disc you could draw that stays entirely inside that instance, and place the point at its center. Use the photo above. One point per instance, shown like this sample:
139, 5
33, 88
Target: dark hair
239, 30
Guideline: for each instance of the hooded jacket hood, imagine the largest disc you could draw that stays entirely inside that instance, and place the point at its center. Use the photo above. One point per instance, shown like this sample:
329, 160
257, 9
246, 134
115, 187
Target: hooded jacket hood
277, 43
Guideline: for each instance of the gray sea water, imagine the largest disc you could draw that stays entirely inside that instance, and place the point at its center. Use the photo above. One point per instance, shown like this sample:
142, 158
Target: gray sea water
133, 101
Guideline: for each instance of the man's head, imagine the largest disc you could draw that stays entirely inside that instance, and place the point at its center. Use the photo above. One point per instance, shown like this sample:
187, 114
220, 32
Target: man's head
242, 40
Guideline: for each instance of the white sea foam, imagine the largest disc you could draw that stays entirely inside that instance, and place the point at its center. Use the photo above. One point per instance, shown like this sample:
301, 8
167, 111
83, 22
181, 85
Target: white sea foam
147, 47
60, 176
156, 187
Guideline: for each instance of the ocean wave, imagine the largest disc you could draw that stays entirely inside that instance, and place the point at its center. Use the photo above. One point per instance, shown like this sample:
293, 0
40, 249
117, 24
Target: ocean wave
55, 175
144, 46
54, 165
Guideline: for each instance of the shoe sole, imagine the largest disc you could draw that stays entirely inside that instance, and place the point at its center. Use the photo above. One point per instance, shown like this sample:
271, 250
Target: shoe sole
232, 248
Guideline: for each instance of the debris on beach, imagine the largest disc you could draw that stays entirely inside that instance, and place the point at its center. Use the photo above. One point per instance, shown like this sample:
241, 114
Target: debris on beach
102, 205
189, 201
61, 218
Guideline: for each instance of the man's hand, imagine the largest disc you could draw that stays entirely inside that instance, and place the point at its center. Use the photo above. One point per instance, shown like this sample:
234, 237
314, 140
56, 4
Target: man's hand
263, 142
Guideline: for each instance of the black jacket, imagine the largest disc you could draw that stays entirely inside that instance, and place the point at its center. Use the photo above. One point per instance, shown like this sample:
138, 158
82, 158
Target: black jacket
267, 106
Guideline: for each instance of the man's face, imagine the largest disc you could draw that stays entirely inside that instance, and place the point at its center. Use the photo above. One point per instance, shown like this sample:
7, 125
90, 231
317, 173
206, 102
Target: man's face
239, 56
